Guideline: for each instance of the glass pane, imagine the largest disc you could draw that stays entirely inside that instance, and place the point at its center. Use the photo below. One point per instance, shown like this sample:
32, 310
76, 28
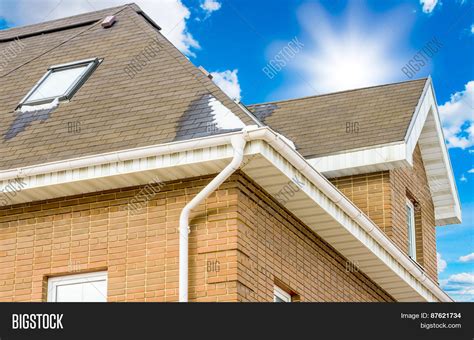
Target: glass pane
69, 293
95, 291
409, 216
278, 299
411, 231
57, 83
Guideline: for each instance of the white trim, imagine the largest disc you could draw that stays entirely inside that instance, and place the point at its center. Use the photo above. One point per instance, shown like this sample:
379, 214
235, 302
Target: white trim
411, 228
337, 220
426, 130
281, 294
90, 64
351, 218
414, 129
57, 281
438, 170
73, 63
111, 158
365, 160
323, 200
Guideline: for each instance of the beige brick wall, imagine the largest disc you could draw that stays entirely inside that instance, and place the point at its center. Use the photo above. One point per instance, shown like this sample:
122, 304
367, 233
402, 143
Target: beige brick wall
276, 248
372, 193
254, 241
414, 184
382, 196
140, 252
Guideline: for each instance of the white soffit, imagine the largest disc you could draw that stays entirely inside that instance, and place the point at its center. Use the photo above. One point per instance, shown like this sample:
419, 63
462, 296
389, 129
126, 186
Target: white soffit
115, 174
361, 161
267, 167
424, 129
318, 212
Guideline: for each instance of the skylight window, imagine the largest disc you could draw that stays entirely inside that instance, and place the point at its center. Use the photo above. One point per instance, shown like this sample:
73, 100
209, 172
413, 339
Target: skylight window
60, 82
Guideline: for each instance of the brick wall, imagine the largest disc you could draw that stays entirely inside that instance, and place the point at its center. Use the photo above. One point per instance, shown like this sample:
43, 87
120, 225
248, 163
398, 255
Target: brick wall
382, 196
139, 251
414, 184
276, 248
372, 193
241, 242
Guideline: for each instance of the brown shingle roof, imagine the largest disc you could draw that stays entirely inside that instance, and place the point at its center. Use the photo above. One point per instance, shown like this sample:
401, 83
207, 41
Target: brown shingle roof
60, 24
114, 111
327, 124
167, 100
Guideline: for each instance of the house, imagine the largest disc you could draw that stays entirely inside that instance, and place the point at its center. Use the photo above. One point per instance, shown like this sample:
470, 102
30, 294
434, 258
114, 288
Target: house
126, 174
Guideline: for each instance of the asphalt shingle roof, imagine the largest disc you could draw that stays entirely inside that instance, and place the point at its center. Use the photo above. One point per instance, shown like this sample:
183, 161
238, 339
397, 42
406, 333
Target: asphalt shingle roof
165, 99
341, 121
114, 109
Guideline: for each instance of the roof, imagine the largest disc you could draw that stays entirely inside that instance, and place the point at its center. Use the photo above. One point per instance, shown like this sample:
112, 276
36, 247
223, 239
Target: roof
166, 105
168, 100
371, 129
271, 163
341, 121
60, 24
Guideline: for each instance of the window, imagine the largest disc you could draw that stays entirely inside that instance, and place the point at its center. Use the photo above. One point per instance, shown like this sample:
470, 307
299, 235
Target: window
411, 229
279, 295
60, 81
90, 287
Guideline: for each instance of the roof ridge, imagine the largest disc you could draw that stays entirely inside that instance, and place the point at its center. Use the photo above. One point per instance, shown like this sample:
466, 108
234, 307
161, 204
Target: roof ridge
338, 92
60, 23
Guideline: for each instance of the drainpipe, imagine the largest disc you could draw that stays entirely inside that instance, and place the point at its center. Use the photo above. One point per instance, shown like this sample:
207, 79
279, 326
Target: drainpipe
238, 143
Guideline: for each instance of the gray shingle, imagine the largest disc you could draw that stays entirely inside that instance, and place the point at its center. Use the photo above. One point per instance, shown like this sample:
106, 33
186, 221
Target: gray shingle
113, 110
337, 122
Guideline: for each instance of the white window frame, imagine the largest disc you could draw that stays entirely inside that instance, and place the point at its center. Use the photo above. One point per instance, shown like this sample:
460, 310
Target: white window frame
410, 218
281, 294
57, 281
91, 66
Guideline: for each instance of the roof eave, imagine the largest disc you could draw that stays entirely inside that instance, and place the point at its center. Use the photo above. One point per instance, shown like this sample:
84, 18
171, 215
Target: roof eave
377, 255
425, 129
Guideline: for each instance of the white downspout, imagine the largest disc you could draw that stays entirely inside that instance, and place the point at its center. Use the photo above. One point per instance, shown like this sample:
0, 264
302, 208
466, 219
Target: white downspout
238, 143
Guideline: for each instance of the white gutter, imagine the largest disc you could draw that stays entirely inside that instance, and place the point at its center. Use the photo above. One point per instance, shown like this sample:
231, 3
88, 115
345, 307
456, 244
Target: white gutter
284, 148
346, 205
238, 143
280, 146
117, 156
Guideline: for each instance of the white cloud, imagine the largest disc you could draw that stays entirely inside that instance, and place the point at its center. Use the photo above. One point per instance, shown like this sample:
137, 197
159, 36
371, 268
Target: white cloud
170, 15
428, 5
467, 258
460, 286
441, 263
463, 178
457, 116
472, 29
228, 81
353, 50
471, 171
462, 278
211, 6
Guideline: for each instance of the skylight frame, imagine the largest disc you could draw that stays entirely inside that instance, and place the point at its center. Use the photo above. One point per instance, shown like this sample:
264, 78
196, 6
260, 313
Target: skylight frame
91, 63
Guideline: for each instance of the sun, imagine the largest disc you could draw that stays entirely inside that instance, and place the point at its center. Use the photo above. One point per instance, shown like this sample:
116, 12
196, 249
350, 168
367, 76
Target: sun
351, 51
343, 65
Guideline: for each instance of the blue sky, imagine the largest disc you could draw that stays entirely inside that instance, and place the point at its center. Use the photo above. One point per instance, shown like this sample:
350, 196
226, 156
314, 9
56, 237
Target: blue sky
330, 45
